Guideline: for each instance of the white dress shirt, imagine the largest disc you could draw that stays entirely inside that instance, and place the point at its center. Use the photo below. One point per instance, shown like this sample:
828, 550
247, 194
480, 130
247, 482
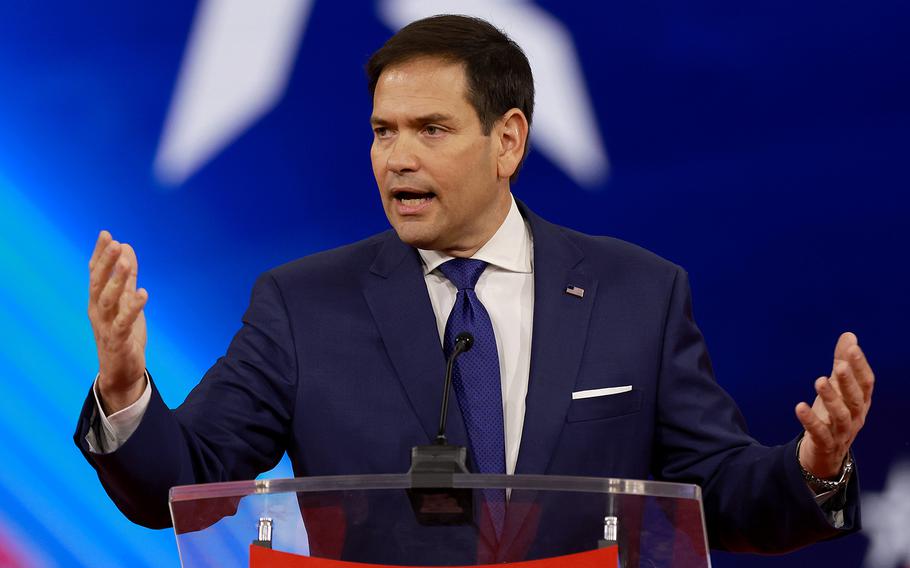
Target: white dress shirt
506, 289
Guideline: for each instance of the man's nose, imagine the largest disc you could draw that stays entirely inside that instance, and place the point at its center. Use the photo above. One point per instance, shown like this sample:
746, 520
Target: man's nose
403, 156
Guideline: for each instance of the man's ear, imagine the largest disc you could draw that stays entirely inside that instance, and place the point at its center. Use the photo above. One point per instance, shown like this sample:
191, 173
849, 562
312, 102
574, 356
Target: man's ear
512, 132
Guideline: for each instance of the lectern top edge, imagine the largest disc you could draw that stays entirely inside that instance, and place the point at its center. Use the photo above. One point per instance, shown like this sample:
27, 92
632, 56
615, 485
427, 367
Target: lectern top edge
405, 481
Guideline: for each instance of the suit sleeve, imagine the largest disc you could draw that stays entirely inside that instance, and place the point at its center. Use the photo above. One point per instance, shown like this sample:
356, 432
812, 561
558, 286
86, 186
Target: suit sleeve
754, 496
234, 425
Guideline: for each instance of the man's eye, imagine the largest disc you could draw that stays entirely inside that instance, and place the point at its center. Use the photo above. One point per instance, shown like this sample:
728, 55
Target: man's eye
381, 131
433, 130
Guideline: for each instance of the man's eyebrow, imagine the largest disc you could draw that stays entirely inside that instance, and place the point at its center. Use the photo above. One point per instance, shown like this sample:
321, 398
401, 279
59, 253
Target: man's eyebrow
432, 117
427, 118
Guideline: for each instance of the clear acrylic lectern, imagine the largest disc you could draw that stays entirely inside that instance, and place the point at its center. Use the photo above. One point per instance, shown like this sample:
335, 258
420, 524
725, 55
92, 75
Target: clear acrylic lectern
448, 521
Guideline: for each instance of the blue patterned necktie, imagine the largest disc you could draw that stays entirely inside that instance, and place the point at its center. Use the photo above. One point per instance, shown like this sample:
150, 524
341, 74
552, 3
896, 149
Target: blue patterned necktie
475, 378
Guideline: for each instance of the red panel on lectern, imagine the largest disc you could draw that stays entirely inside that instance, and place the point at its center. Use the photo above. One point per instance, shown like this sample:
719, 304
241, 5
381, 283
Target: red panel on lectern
266, 558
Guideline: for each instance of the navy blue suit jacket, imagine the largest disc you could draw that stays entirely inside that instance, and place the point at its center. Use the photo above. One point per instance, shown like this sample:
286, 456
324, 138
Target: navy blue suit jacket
340, 350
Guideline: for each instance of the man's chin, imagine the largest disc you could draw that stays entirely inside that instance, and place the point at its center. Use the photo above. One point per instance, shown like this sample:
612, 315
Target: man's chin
417, 237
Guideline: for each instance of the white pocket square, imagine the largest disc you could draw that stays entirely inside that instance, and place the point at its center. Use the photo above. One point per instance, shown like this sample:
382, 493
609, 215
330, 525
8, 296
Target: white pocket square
600, 392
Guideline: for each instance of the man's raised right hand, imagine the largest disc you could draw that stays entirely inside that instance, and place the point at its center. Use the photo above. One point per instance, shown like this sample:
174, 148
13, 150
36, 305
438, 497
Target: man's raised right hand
118, 322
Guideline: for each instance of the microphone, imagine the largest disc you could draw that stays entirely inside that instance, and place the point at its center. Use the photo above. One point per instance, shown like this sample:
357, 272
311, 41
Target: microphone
463, 343
433, 499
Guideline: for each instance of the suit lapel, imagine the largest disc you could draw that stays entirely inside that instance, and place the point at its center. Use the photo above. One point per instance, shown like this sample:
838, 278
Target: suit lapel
559, 335
396, 293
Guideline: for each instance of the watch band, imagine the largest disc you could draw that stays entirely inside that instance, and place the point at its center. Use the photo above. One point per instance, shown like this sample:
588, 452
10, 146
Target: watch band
824, 485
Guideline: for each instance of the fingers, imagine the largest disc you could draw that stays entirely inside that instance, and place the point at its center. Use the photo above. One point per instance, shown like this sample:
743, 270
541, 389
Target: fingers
844, 342
101, 272
114, 270
841, 419
126, 317
849, 389
130, 256
104, 239
852, 376
814, 426
110, 298
862, 371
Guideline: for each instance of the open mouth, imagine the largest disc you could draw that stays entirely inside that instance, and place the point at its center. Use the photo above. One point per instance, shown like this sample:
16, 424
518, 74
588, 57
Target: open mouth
413, 198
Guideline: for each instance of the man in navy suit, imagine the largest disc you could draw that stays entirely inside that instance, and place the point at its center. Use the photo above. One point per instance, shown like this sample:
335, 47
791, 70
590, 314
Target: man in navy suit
600, 366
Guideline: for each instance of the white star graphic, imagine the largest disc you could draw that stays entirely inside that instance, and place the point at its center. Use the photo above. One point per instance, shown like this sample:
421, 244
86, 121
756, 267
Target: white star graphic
237, 64
240, 55
886, 521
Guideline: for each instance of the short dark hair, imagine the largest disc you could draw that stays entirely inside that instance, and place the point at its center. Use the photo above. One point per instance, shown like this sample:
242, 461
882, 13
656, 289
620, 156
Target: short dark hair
497, 71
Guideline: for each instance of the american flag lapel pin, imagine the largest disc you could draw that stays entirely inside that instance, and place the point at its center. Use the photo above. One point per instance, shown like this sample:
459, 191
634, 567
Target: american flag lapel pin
575, 291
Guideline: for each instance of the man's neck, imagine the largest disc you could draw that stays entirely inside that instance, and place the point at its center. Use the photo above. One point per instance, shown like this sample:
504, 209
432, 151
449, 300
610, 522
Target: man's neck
510, 247
502, 211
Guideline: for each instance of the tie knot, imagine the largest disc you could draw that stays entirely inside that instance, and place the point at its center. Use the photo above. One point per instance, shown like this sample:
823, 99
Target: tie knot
463, 272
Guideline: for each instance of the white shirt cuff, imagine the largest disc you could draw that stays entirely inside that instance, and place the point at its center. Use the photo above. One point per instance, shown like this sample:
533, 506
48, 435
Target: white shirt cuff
118, 427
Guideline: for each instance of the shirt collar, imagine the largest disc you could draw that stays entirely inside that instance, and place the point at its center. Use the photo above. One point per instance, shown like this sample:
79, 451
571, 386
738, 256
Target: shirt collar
510, 248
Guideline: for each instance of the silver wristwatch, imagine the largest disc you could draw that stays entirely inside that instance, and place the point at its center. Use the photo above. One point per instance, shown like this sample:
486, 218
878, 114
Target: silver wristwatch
820, 485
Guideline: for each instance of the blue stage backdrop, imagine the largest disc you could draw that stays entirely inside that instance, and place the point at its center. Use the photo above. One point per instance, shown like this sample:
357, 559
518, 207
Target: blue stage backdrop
762, 146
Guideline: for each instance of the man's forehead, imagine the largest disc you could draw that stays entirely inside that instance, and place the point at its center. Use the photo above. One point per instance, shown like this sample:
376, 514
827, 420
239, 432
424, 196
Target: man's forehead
424, 76
429, 88
424, 65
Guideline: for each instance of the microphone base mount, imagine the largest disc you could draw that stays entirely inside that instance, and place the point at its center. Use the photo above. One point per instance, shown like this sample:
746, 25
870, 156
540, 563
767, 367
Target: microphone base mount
433, 499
